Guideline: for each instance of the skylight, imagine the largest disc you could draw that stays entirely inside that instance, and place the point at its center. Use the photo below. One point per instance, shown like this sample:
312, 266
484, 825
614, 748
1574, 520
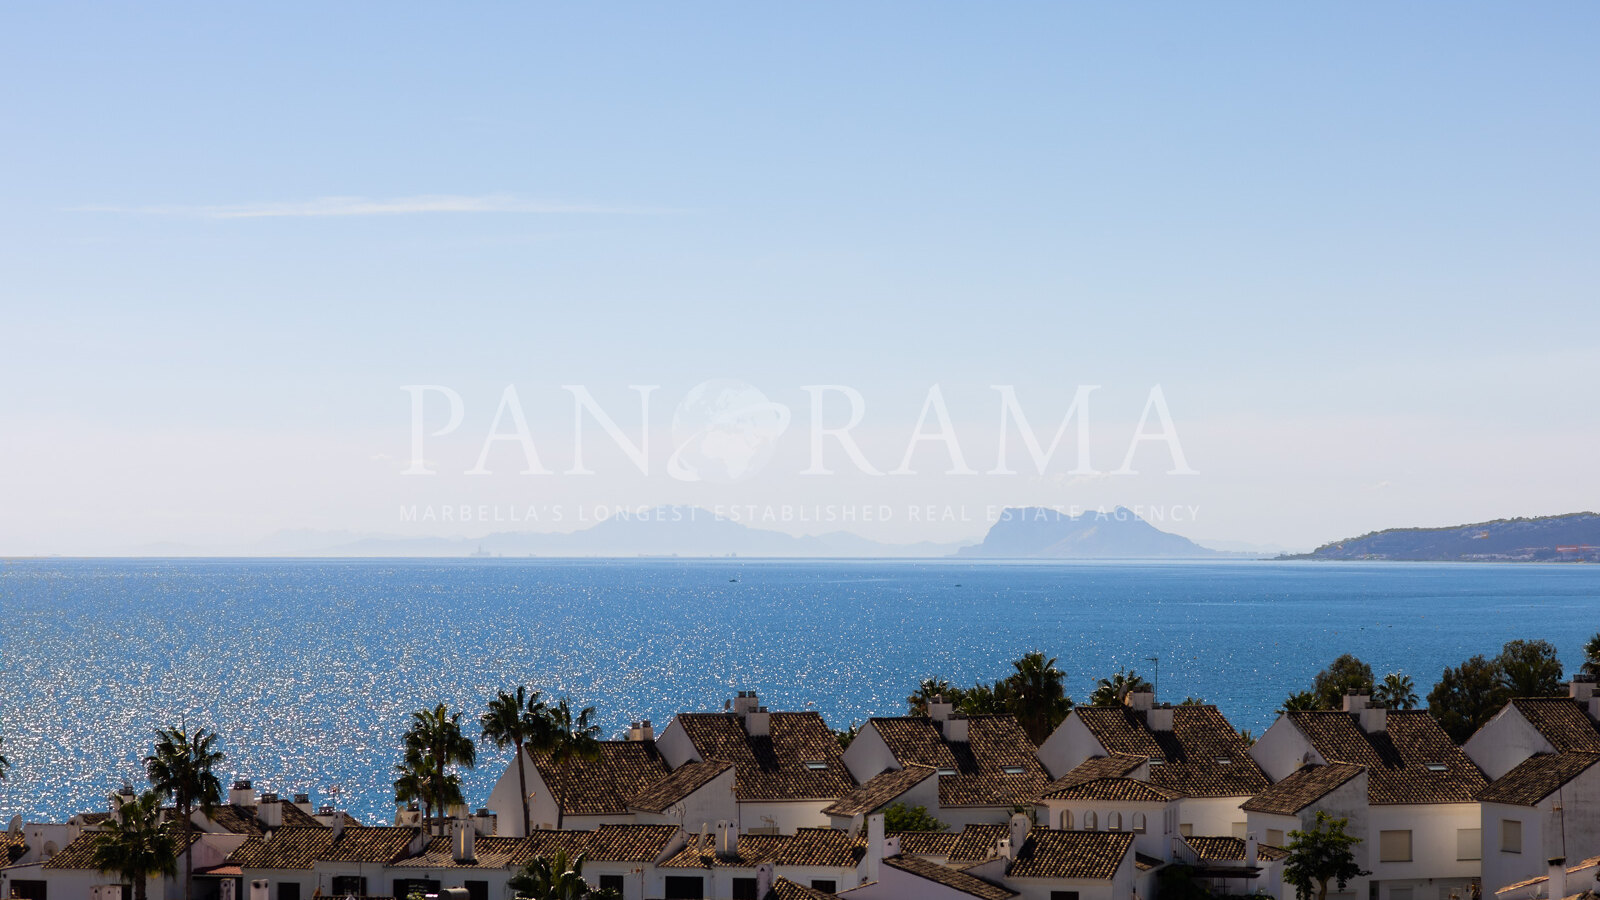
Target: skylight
1224, 761
947, 771
1013, 770
1437, 767
816, 765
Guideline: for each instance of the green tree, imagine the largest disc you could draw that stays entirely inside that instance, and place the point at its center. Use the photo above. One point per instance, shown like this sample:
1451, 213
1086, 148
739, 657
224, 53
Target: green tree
1114, 691
1396, 691
929, 690
845, 735
574, 739
434, 746
5, 764
552, 878
134, 845
1591, 656
1344, 675
1530, 669
518, 720
1301, 702
985, 700
1037, 695
1322, 854
900, 817
1466, 697
183, 768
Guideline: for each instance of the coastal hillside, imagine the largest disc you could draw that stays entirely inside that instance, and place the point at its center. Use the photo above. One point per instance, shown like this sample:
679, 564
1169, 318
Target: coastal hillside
1574, 537
1039, 533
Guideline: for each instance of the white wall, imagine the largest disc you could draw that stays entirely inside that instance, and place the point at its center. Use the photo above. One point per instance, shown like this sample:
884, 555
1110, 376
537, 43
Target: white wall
1213, 816
709, 804
785, 815
1504, 742
868, 755
674, 745
1282, 749
1070, 744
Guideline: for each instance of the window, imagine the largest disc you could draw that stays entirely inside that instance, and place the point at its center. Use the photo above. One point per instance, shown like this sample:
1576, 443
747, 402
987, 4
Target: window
1224, 761
1275, 837
1090, 823
1510, 836
1014, 770
1186, 829
1394, 846
30, 890
1138, 823
1437, 767
825, 885
288, 890
403, 887
1066, 820
1114, 821
684, 887
1063, 895
1469, 843
1400, 893
355, 885
816, 765
476, 890
1239, 830
743, 889
947, 771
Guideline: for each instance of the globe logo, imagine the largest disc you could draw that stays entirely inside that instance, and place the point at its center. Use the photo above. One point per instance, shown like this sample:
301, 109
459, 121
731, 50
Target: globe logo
723, 431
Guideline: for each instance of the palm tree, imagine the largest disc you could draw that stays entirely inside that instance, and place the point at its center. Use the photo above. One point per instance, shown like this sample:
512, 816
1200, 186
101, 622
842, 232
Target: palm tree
135, 846
572, 740
1591, 655
1396, 691
518, 721
434, 744
1300, 702
5, 764
1114, 691
183, 767
929, 690
555, 878
1038, 696
412, 785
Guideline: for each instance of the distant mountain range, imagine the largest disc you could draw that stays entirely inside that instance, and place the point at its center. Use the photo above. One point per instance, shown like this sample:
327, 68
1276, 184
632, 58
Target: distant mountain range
1039, 533
1033, 533
1574, 537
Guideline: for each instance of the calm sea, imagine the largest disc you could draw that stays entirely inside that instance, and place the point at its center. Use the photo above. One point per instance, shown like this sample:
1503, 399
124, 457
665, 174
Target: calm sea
310, 669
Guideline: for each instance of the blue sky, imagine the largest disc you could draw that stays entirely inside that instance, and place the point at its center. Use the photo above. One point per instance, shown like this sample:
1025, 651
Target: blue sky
1355, 247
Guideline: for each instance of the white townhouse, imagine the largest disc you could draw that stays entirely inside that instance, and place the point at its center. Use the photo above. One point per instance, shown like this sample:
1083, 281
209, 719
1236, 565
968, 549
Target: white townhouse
1417, 816
964, 769
726, 865
786, 765
590, 793
1543, 801
1196, 768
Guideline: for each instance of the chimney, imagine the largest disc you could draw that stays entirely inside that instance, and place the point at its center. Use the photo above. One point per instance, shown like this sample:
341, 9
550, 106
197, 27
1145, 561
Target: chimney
758, 722
337, 824
486, 822
727, 840
1354, 702
463, 841
891, 846
123, 795
746, 702
763, 879
1594, 707
1159, 718
1141, 701
1252, 850
1581, 688
242, 794
270, 811
939, 709
956, 729
303, 802
1021, 824
647, 732
1558, 877
875, 845
1374, 719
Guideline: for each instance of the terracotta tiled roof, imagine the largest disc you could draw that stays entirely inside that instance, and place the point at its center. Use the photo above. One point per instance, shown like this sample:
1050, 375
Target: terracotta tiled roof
995, 766
1202, 756
1411, 761
78, 853
1071, 854
605, 785
750, 850
784, 889
822, 847
950, 878
544, 842
773, 766
490, 852
684, 780
1301, 788
290, 848
370, 845
1590, 863
976, 842
247, 819
1146, 863
1115, 789
1562, 722
1537, 777
926, 843
1231, 848
12, 846
629, 843
1095, 768
879, 791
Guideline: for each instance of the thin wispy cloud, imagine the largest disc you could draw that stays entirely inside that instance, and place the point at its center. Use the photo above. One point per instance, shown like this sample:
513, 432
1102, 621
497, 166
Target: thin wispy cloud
328, 207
